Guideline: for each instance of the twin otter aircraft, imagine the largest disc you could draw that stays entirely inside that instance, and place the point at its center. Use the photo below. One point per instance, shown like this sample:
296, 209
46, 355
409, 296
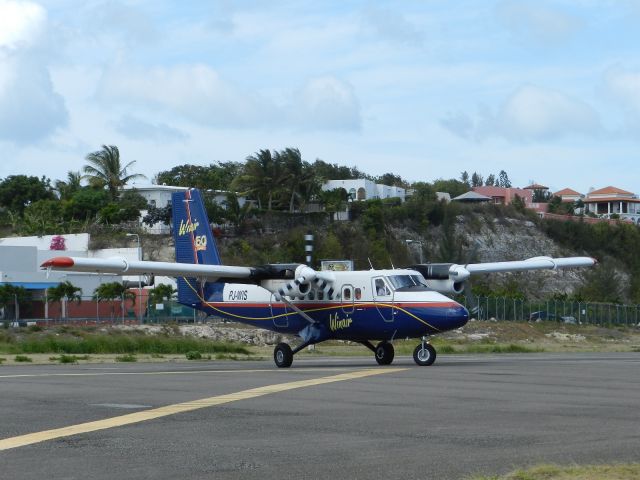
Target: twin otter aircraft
359, 306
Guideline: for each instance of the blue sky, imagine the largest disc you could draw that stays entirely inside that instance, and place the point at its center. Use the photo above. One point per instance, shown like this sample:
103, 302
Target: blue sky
546, 90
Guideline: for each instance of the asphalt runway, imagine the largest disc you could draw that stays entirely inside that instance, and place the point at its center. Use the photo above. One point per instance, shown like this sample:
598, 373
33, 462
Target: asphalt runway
323, 418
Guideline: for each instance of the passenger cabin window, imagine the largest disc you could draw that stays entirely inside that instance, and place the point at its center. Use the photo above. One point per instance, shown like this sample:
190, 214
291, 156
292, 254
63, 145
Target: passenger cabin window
358, 293
346, 293
381, 287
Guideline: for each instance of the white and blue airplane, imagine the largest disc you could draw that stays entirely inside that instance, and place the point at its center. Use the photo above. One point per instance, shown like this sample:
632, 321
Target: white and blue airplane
360, 306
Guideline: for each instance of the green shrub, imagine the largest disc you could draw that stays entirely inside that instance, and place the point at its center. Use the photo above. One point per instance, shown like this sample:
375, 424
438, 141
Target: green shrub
126, 358
2, 359
194, 355
22, 358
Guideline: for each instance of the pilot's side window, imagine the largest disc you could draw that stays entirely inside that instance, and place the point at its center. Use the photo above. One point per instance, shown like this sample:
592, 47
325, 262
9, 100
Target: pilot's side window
381, 288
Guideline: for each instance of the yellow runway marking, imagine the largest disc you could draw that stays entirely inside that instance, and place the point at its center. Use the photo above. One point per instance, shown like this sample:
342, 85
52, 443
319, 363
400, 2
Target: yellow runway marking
37, 437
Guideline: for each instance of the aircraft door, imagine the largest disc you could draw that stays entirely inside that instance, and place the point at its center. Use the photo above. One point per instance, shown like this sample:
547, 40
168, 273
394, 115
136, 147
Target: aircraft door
383, 298
347, 299
279, 312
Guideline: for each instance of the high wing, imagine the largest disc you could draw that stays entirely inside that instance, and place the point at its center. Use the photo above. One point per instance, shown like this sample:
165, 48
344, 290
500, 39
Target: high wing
458, 273
121, 266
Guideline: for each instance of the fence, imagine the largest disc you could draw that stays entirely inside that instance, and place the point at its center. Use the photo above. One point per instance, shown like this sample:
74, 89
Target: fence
141, 310
510, 309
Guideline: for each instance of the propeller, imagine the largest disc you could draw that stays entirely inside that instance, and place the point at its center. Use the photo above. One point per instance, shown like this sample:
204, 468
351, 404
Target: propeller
471, 299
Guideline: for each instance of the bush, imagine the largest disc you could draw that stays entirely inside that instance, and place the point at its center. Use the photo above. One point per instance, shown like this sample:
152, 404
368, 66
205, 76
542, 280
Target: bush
22, 358
127, 358
194, 355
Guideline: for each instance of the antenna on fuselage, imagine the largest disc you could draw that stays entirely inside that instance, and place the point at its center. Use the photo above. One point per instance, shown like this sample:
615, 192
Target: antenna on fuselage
391, 262
370, 264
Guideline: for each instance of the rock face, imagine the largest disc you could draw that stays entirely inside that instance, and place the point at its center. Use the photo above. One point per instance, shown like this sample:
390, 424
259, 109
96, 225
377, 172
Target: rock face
216, 331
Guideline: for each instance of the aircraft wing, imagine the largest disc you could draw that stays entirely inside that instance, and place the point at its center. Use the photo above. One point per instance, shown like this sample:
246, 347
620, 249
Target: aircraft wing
121, 266
536, 263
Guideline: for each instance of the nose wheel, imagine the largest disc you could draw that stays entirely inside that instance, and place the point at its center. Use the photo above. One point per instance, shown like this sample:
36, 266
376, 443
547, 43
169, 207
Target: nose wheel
424, 354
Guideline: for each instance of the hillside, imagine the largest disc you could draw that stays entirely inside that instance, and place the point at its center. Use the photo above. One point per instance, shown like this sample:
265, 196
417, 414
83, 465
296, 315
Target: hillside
378, 233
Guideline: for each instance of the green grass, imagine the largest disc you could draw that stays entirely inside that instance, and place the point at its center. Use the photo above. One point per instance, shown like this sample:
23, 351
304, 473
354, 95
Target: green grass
69, 358
554, 472
126, 358
2, 359
84, 342
22, 358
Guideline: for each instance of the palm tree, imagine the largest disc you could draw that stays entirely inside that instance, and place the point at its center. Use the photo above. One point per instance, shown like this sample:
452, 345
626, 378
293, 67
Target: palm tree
105, 169
262, 177
67, 188
300, 178
64, 291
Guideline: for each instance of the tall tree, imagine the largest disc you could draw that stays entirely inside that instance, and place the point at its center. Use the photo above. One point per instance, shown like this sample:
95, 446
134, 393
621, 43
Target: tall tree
66, 188
503, 179
262, 177
106, 169
464, 178
66, 291
490, 181
19, 191
476, 180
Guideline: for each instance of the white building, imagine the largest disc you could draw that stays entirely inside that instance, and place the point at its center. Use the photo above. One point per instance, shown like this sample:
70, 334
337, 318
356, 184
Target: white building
609, 201
362, 189
159, 196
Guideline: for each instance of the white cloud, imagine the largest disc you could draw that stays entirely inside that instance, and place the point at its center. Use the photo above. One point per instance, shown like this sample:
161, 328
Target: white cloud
326, 103
198, 93
21, 24
137, 129
393, 26
30, 109
529, 20
529, 114
624, 85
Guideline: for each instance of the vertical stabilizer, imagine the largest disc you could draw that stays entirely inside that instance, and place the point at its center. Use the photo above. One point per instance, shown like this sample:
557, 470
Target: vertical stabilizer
194, 243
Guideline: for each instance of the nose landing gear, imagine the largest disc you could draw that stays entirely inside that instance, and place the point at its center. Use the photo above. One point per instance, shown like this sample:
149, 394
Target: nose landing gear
424, 354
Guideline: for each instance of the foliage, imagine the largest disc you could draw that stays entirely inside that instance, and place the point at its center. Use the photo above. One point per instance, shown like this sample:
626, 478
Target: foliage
112, 291
235, 213
10, 293
161, 293
18, 191
216, 176
451, 186
193, 355
64, 290
158, 215
557, 206
85, 203
105, 169
67, 188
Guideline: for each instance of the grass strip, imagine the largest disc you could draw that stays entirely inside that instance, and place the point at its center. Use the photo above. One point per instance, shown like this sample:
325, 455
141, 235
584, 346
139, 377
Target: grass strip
118, 343
555, 472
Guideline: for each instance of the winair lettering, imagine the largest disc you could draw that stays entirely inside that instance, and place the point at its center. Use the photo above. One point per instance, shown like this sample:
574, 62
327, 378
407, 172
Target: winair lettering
336, 323
235, 295
187, 227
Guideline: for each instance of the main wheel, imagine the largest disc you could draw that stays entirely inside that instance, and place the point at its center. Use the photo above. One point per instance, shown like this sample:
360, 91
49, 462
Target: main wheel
283, 355
424, 356
384, 353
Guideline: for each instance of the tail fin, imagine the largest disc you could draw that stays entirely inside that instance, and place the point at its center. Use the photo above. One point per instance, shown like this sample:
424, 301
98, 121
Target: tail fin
194, 243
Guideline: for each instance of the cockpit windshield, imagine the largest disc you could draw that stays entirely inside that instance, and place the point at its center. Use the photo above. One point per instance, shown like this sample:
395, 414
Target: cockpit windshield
404, 281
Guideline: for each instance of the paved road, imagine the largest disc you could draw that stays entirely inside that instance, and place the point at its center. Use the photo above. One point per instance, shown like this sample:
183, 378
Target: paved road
467, 414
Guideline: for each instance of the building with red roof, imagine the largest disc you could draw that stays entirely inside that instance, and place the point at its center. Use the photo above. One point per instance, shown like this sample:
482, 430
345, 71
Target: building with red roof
610, 200
568, 195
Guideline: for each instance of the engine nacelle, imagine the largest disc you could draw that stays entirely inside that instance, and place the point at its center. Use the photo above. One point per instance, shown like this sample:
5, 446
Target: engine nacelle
445, 286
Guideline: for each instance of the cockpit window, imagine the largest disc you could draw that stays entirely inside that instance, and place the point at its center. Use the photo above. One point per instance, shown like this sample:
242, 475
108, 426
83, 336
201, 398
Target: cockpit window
404, 281
381, 287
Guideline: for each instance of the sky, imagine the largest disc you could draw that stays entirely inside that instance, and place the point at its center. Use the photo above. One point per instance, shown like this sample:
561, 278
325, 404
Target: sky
548, 91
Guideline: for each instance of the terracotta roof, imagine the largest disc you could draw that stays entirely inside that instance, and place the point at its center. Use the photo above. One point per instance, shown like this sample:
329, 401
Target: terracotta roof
566, 191
610, 191
536, 186
610, 199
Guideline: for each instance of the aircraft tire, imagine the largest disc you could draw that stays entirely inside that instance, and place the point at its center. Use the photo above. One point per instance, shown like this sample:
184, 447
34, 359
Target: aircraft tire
425, 357
283, 355
384, 353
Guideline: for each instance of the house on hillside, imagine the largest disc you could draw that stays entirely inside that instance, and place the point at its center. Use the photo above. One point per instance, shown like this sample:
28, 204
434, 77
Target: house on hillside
568, 195
505, 195
362, 189
610, 200
159, 196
